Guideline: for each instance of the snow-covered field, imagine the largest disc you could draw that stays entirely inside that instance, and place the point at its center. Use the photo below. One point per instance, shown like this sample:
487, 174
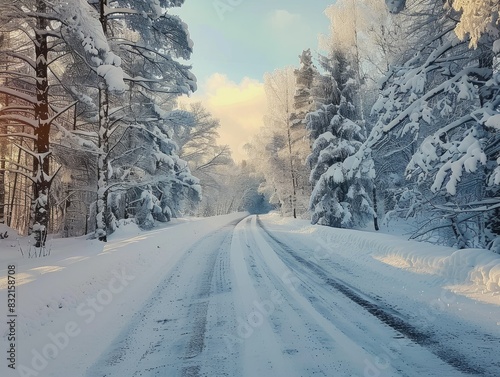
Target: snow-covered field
252, 296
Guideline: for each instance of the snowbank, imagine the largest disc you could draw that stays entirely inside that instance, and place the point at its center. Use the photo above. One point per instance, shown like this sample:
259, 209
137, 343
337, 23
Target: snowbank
477, 268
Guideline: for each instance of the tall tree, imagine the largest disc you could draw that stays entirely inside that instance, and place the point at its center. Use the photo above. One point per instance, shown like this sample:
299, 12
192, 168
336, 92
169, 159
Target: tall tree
148, 51
337, 132
280, 150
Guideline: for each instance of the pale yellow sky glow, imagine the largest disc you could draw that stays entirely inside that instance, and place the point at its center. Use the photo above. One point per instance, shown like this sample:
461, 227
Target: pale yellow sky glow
240, 108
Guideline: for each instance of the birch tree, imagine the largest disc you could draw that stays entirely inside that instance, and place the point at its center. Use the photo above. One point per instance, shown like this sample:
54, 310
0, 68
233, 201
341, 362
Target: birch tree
285, 145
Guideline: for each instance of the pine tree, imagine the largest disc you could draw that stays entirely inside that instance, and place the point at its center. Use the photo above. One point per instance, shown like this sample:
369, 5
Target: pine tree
338, 200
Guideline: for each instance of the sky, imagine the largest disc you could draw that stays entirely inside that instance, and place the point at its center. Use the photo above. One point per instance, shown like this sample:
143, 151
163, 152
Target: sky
235, 43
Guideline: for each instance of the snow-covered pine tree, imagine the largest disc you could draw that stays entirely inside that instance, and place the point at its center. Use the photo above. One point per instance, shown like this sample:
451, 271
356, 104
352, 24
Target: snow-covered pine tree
157, 168
85, 29
29, 109
280, 116
338, 200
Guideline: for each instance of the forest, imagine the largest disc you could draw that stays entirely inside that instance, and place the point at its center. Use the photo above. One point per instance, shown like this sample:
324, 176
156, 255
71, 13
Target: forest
398, 120
396, 117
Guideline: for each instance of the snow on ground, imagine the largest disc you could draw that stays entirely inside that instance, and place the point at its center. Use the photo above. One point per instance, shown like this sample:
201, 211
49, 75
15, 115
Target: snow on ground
452, 294
264, 296
91, 286
472, 272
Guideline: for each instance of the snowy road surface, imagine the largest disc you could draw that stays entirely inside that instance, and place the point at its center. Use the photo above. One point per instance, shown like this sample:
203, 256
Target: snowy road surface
255, 296
244, 301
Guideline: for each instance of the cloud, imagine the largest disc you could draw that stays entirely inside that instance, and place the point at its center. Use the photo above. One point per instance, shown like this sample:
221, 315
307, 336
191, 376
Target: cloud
283, 19
239, 106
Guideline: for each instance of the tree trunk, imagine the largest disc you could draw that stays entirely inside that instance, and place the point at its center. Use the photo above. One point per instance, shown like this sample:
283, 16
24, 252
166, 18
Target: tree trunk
375, 208
12, 192
292, 174
40, 203
3, 157
461, 242
103, 215
103, 19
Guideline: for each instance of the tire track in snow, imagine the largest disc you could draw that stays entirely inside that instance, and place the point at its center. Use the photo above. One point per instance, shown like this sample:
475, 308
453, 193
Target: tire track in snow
215, 280
259, 347
168, 336
387, 315
348, 355
305, 340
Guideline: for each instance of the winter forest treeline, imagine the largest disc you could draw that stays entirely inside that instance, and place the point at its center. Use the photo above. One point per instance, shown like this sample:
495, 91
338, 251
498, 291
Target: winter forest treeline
90, 134
397, 117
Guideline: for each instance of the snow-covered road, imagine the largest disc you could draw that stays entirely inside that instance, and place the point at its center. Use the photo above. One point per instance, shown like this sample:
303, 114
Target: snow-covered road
247, 301
253, 296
